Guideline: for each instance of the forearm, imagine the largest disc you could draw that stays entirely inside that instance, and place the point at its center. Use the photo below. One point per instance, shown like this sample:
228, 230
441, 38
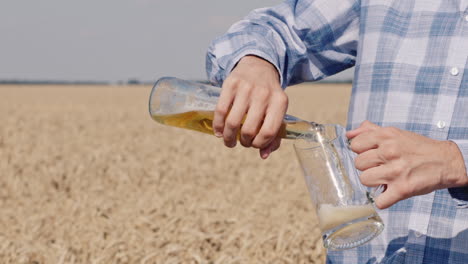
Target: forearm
303, 39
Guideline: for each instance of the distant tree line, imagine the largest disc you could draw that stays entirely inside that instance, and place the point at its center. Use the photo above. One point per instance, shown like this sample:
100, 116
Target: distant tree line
68, 82
132, 81
53, 82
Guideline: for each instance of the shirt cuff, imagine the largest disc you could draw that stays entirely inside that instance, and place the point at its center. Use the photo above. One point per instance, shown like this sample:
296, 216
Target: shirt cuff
460, 194
226, 51
463, 147
263, 55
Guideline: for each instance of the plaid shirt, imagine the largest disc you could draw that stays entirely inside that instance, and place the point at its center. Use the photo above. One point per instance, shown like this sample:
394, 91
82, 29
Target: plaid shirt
411, 73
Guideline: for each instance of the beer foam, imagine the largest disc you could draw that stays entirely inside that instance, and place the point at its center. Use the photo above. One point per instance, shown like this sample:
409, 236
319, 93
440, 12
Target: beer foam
331, 216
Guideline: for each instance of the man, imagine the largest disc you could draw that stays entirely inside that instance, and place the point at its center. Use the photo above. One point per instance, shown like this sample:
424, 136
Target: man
408, 114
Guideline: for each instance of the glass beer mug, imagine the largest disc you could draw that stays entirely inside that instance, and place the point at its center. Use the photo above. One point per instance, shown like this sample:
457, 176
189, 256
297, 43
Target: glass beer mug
345, 209
344, 206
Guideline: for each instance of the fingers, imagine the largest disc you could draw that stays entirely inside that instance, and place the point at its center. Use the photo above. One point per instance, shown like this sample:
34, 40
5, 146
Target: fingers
382, 175
272, 123
365, 126
264, 112
251, 89
274, 145
222, 107
368, 159
364, 142
252, 124
234, 119
375, 176
386, 199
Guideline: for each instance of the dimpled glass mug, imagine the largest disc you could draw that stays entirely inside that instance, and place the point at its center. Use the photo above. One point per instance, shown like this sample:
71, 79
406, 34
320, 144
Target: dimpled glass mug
345, 209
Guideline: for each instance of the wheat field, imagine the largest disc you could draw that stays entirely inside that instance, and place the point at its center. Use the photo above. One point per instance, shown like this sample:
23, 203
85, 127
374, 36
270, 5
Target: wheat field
86, 176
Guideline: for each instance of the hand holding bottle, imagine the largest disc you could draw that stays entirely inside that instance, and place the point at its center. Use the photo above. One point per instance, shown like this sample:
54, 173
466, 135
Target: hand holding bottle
251, 91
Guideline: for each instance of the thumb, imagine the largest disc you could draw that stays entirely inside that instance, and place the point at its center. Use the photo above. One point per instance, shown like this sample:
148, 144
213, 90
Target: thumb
364, 127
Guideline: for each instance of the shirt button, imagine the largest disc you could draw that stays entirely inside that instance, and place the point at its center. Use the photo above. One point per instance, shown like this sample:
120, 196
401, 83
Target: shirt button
417, 234
441, 124
454, 71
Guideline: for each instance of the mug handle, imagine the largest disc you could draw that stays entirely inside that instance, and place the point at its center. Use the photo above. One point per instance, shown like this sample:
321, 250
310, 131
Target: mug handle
374, 192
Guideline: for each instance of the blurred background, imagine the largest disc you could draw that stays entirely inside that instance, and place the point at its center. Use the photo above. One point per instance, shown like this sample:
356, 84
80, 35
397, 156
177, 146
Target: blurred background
86, 176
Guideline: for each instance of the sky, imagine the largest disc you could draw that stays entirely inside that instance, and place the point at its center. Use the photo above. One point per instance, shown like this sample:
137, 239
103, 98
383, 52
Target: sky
113, 40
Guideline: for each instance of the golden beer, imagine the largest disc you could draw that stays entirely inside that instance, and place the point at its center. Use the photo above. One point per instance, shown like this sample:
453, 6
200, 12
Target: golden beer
202, 121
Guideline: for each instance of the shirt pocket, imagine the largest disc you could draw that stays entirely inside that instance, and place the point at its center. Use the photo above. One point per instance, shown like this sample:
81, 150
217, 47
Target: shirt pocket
460, 196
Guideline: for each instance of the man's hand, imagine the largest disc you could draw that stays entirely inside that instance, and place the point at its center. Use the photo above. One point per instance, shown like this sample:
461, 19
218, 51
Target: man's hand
252, 91
407, 163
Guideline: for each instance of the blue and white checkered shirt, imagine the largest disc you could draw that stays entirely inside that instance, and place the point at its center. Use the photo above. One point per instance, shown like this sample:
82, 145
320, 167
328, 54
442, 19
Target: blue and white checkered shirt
411, 73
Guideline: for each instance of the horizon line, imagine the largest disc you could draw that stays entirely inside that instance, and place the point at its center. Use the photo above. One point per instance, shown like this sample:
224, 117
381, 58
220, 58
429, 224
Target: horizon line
132, 81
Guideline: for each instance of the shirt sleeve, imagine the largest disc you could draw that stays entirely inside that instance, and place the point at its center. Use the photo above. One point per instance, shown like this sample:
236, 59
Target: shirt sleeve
460, 194
463, 147
306, 40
